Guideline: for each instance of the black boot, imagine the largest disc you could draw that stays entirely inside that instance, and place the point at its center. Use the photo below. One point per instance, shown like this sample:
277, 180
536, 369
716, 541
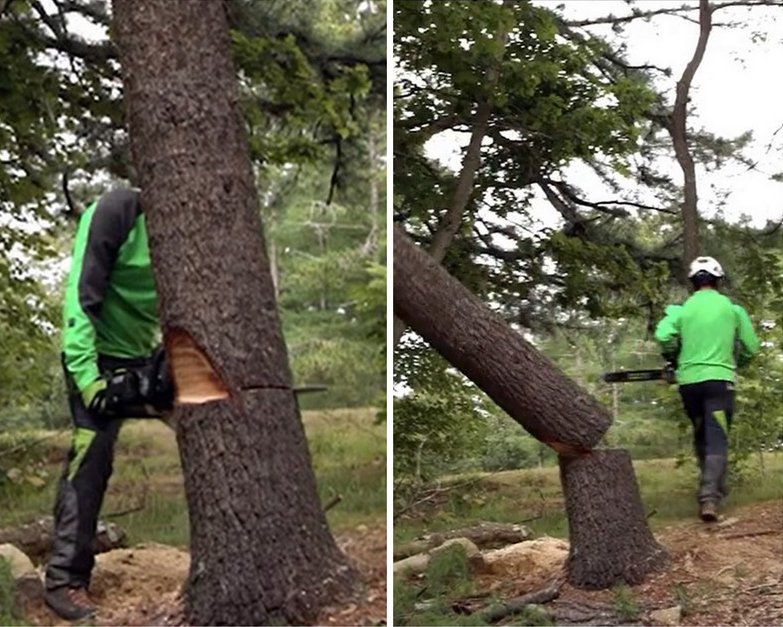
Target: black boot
70, 603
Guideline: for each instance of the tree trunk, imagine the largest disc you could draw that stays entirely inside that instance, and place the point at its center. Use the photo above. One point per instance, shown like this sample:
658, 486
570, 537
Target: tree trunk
477, 341
452, 220
610, 540
678, 132
261, 551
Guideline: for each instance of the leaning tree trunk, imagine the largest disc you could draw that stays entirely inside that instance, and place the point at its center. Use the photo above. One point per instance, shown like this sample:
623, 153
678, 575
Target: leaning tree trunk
477, 341
610, 540
261, 551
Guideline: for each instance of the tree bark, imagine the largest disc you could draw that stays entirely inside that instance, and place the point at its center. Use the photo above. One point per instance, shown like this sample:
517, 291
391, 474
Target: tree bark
478, 342
261, 551
678, 132
452, 220
610, 540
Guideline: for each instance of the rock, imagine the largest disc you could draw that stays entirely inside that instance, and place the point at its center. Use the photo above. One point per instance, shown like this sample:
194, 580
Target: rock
543, 554
27, 581
727, 523
28, 588
19, 562
417, 564
668, 616
413, 565
471, 550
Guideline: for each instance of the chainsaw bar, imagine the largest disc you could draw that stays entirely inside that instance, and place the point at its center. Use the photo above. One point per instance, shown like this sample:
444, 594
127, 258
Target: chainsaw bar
624, 376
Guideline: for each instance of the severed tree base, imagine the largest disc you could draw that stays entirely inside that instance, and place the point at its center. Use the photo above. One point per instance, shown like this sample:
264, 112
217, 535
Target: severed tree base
261, 551
610, 540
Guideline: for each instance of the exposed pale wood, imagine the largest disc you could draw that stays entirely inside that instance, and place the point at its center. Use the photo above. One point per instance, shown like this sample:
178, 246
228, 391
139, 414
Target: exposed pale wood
195, 379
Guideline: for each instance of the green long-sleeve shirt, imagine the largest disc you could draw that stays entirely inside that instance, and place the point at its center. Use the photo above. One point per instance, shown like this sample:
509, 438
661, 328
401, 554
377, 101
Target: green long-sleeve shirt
706, 326
110, 297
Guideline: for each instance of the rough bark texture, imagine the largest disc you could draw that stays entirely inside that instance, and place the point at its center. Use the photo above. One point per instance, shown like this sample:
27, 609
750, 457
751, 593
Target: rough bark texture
484, 348
261, 550
610, 539
678, 132
264, 550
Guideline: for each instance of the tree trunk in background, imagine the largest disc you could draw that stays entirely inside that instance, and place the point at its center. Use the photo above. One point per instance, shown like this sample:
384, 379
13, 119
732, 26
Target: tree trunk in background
261, 551
452, 220
678, 132
477, 341
610, 540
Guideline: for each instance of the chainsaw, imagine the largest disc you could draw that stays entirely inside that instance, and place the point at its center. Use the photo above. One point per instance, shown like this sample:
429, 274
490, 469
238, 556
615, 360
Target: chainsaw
667, 373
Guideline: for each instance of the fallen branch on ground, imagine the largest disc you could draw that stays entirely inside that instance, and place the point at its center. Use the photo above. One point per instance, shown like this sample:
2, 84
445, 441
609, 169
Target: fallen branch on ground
35, 539
518, 604
485, 535
750, 534
333, 501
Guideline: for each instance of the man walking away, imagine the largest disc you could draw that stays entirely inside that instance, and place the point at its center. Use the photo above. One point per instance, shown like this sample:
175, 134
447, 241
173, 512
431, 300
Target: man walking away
708, 336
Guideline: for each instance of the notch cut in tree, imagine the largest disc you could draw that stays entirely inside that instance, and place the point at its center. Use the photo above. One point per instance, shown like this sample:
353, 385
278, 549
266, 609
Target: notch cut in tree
611, 542
481, 345
195, 380
261, 550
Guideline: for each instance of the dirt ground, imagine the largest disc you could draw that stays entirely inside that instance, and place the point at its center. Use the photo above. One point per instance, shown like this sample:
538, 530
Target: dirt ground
727, 573
141, 585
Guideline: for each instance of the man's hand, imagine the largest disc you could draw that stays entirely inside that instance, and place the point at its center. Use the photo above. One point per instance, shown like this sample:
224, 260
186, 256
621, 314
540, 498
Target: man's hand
94, 396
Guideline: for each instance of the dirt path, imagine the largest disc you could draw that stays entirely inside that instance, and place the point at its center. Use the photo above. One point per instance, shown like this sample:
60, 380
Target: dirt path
140, 585
729, 573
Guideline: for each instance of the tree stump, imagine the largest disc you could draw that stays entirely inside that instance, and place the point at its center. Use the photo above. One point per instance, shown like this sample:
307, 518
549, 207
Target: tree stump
610, 540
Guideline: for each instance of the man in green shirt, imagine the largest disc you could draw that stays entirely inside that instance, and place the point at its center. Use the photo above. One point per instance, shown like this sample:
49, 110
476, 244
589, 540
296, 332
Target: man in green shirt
708, 336
113, 369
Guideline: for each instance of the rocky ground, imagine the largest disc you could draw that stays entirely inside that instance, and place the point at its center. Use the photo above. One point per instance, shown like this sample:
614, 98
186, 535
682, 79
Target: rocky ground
729, 573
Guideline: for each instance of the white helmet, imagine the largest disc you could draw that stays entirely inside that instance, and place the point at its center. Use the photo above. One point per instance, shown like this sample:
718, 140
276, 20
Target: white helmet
705, 264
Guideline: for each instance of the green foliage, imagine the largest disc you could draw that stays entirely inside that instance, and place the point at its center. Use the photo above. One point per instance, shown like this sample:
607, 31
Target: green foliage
449, 572
625, 603
312, 88
403, 604
447, 578
437, 423
8, 612
533, 615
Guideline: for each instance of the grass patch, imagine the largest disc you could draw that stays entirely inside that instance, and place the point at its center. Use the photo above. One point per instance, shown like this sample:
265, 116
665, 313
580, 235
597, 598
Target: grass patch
447, 578
8, 611
517, 495
349, 457
625, 604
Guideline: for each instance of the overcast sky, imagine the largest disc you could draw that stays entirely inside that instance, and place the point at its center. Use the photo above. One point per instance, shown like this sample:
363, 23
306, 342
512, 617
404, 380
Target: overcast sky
736, 88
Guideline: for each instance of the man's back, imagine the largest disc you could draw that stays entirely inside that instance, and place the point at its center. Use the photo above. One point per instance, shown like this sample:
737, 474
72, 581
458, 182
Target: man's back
707, 325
